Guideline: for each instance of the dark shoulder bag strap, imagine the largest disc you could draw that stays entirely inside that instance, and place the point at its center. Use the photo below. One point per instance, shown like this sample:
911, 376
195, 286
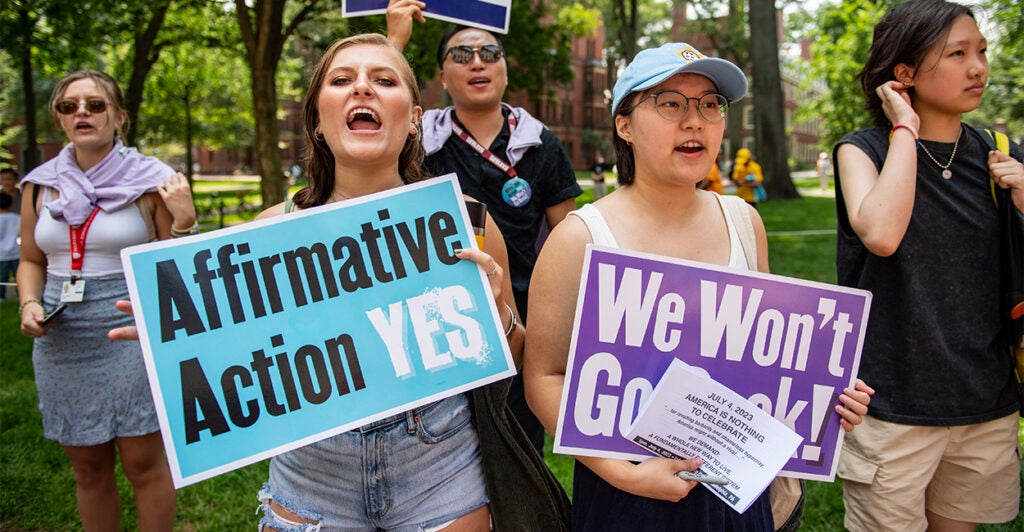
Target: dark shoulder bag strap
35, 198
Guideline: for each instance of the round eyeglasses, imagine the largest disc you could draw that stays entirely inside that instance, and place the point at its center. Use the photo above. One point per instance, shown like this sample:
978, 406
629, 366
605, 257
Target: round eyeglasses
673, 105
489, 53
70, 107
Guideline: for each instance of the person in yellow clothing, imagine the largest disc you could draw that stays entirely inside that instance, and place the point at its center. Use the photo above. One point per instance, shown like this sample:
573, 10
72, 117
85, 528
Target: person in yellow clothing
747, 175
713, 181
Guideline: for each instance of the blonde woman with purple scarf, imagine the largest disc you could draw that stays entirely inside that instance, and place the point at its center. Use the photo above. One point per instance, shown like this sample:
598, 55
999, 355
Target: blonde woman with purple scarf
79, 210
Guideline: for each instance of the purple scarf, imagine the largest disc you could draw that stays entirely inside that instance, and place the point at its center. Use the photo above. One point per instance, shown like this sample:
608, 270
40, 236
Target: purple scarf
118, 180
437, 128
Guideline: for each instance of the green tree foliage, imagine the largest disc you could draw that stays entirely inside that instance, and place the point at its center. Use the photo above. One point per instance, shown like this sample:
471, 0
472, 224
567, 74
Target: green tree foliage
1003, 22
727, 32
842, 34
196, 97
840, 49
632, 25
194, 93
578, 19
45, 39
140, 23
8, 133
538, 50
265, 28
49, 38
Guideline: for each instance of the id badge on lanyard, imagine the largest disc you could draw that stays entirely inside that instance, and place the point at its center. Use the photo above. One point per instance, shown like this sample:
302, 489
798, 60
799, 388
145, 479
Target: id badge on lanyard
516, 191
73, 291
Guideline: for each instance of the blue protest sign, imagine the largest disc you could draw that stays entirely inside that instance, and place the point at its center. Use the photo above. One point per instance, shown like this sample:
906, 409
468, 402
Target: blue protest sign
787, 345
271, 335
487, 14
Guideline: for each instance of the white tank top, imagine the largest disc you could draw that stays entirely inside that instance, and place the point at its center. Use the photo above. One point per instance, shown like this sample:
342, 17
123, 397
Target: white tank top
602, 234
107, 236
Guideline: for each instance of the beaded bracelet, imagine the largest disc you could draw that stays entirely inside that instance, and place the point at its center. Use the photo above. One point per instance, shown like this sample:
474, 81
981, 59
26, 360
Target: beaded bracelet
27, 302
511, 324
908, 127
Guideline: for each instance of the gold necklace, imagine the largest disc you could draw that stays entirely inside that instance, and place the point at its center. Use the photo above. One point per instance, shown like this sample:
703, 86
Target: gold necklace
946, 173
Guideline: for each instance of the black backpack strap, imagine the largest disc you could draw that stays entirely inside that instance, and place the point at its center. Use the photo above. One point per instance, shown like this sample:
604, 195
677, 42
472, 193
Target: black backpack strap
35, 198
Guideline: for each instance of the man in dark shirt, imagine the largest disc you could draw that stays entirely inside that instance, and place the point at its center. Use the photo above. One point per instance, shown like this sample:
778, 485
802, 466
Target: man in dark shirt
503, 156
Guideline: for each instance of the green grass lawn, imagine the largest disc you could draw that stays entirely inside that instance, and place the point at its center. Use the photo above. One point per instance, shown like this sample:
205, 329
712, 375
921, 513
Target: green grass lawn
37, 485
801, 237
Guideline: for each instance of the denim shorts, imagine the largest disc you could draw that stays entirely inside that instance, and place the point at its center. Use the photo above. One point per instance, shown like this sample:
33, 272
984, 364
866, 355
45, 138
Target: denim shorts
409, 472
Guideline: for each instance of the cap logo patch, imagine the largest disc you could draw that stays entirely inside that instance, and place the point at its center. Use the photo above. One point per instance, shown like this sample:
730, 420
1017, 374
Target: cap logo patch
689, 54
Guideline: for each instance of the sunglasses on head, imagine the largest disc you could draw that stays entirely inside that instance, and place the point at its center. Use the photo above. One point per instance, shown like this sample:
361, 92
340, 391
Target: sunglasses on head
489, 53
70, 107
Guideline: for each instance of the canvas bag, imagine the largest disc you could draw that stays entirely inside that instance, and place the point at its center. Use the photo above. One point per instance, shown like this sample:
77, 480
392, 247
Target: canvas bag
785, 493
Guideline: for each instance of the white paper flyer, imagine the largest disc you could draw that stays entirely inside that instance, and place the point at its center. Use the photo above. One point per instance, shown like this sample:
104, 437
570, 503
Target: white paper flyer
691, 415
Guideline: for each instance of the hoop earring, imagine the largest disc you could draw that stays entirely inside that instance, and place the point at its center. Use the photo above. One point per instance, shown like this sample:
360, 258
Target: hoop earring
318, 135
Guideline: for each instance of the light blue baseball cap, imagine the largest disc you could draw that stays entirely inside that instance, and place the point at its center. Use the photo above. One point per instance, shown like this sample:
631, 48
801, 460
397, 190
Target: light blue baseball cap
654, 65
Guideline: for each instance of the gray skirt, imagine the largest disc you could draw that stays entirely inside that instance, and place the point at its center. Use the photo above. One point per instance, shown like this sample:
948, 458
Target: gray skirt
91, 389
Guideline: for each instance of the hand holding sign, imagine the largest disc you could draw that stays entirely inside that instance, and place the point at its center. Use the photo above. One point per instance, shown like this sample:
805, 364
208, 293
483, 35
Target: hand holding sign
400, 16
322, 322
130, 332
689, 414
789, 346
491, 15
855, 405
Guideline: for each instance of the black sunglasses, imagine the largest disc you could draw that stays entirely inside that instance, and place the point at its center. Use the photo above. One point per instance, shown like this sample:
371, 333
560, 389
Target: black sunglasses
70, 107
489, 53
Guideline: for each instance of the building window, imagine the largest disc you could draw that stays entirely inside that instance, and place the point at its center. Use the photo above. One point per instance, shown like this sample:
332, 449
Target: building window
748, 117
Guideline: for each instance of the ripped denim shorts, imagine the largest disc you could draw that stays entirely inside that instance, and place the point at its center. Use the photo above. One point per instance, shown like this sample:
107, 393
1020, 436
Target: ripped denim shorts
409, 472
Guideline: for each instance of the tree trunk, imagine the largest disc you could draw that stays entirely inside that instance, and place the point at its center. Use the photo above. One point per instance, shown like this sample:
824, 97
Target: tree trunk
146, 52
188, 134
629, 28
24, 51
268, 155
734, 133
770, 146
264, 34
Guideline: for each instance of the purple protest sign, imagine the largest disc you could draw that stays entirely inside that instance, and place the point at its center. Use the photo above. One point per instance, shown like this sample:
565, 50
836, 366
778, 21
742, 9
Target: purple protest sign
788, 345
